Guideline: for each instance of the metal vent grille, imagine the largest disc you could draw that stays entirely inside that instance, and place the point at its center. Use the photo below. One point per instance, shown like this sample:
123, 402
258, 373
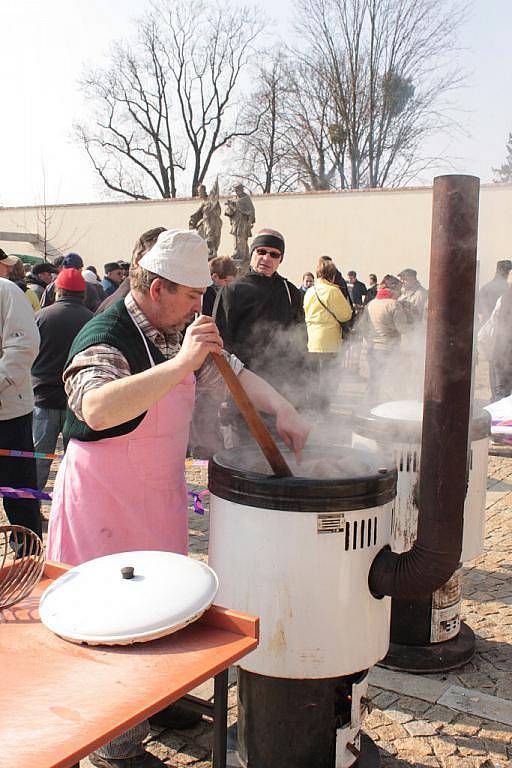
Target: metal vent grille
408, 461
330, 522
360, 534
451, 626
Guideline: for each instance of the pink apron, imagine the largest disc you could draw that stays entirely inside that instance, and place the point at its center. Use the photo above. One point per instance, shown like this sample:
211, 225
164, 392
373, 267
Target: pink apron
126, 493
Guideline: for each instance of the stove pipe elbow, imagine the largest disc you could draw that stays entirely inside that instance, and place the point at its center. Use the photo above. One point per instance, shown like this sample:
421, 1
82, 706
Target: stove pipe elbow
447, 400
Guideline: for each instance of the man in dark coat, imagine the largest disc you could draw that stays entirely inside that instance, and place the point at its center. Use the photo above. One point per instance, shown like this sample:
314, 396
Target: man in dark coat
492, 291
40, 276
72, 261
223, 271
356, 288
58, 325
265, 324
372, 289
113, 277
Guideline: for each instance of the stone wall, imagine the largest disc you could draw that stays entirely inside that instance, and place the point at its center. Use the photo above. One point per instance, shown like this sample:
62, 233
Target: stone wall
370, 231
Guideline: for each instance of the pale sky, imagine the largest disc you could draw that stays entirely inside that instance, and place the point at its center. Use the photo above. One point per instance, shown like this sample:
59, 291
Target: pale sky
46, 44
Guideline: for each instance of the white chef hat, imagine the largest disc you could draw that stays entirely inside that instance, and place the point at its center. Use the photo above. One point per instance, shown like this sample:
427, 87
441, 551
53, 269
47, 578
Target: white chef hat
179, 255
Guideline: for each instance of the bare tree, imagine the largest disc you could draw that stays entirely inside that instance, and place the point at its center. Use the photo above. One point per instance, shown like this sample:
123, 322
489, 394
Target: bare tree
315, 139
265, 163
386, 72
207, 47
132, 141
503, 174
299, 141
48, 239
169, 97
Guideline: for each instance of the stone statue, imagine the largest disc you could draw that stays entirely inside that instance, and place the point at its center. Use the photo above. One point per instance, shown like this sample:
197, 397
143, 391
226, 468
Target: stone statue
207, 219
240, 211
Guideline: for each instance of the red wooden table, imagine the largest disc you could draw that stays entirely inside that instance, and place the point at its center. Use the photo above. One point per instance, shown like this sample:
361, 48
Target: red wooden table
61, 701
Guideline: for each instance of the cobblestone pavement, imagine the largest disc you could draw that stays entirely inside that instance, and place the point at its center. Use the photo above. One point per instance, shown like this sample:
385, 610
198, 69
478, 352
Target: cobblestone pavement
462, 719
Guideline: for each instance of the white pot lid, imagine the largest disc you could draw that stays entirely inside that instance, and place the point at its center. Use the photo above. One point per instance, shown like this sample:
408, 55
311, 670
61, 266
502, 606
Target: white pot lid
400, 410
94, 603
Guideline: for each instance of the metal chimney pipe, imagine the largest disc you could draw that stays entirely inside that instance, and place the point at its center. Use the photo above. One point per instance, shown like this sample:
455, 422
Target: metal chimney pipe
447, 399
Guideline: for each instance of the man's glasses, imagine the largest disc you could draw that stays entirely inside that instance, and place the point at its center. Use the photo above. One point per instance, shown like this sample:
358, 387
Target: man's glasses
266, 252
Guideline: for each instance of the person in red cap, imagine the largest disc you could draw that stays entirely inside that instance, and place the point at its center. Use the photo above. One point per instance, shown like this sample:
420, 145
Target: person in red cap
58, 325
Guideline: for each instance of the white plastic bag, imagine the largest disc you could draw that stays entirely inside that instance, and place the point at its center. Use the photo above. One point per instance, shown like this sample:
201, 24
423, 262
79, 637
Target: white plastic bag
501, 415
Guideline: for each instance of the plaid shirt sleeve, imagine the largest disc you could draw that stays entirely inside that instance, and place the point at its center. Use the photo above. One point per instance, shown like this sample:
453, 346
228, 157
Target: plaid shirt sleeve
95, 366
209, 379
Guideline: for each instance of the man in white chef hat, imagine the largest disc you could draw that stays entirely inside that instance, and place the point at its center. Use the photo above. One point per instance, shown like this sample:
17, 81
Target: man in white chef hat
131, 380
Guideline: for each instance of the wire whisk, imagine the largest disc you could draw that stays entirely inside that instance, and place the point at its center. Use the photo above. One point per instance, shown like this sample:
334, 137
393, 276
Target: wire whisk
21, 563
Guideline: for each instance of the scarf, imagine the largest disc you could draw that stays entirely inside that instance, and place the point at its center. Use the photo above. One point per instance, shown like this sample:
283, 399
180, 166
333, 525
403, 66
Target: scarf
385, 293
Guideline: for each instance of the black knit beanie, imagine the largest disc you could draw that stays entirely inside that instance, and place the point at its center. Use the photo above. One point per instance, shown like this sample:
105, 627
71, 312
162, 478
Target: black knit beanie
268, 240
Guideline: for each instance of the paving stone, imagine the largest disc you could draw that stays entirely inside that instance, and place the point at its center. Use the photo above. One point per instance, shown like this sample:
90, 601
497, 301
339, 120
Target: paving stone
444, 747
376, 718
497, 730
420, 728
456, 761
387, 746
440, 715
392, 732
414, 746
470, 746
190, 756
409, 685
166, 745
464, 725
494, 748
411, 705
384, 699
398, 716
477, 703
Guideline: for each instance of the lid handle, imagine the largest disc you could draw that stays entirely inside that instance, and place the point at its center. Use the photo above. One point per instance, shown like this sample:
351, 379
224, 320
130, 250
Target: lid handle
128, 572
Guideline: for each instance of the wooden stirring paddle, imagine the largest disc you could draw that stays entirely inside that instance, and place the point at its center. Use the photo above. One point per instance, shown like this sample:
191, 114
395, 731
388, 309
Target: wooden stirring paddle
254, 421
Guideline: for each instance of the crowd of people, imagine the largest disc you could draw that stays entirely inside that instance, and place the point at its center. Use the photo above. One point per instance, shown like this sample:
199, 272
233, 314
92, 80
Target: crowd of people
121, 368
308, 328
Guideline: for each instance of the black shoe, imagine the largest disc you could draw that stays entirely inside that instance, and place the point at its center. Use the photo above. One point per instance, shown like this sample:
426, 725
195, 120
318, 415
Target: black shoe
176, 716
144, 760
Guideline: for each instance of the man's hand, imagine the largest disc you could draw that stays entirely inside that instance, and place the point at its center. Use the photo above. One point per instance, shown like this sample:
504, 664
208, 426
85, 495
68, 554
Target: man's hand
292, 428
201, 337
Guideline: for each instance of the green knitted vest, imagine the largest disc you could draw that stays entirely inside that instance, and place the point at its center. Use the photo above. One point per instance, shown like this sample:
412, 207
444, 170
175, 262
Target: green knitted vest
115, 328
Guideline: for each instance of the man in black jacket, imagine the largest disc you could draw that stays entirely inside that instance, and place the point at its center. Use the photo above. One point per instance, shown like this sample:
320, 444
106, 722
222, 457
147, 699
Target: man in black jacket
72, 261
58, 325
265, 324
223, 271
113, 277
40, 276
372, 289
356, 288
491, 292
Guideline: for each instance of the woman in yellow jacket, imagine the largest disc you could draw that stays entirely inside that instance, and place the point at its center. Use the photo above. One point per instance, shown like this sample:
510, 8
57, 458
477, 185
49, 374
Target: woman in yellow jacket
325, 309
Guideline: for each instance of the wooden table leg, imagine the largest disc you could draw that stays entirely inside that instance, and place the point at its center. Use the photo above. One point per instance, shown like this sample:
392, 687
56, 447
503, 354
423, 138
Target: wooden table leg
220, 719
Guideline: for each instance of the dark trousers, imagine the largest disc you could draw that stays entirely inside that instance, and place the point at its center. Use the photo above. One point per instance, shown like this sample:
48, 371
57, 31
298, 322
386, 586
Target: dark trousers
382, 375
501, 379
324, 368
16, 434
